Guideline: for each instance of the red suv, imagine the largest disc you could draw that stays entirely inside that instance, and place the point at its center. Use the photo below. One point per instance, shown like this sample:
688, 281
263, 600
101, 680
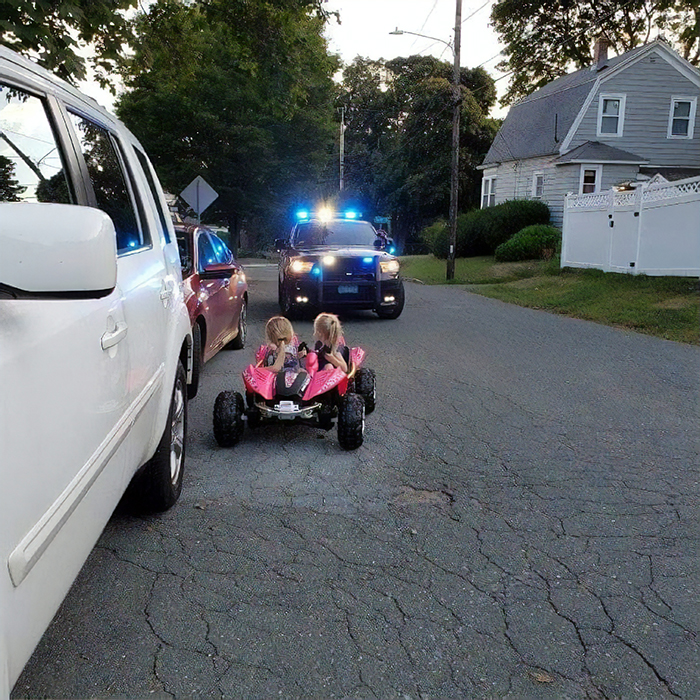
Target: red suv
216, 293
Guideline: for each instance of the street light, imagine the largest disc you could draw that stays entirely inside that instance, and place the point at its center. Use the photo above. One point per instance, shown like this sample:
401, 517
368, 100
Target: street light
399, 32
456, 97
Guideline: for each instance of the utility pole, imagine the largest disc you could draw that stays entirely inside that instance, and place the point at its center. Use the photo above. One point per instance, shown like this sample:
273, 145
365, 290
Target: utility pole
454, 179
342, 147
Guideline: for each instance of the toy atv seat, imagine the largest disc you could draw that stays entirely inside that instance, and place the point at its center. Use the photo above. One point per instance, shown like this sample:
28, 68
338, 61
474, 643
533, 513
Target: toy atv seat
329, 394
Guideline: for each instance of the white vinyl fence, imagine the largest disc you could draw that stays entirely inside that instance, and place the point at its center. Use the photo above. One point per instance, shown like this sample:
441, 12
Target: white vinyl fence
653, 230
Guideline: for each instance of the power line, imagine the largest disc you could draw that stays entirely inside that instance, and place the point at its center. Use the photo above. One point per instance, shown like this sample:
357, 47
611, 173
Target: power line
488, 2
432, 9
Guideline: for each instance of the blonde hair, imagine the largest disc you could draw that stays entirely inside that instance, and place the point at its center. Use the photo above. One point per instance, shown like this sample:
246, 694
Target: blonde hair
327, 328
278, 328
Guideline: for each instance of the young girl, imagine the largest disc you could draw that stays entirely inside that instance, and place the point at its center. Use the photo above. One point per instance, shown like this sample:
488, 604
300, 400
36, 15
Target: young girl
283, 357
330, 346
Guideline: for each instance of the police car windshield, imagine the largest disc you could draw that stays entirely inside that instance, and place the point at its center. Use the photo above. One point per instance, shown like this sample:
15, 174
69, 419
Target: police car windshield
334, 233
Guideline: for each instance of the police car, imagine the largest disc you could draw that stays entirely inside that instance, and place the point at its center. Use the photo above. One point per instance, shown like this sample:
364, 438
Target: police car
332, 262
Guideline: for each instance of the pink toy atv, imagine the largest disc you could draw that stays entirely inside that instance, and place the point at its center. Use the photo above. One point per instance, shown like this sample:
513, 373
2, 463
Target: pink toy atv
330, 394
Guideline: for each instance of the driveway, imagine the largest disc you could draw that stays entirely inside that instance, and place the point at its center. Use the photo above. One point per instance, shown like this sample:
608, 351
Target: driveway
521, 522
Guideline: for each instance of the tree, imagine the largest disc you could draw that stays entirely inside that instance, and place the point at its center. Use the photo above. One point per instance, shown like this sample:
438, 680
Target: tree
545, 38
238, 92
398, 137
10, 189
56, 31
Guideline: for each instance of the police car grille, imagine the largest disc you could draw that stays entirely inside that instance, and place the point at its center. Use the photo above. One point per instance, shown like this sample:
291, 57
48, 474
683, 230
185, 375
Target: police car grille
349, 269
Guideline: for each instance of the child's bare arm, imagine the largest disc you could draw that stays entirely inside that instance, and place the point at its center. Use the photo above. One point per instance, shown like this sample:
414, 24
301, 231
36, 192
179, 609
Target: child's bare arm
335, 358
277, 365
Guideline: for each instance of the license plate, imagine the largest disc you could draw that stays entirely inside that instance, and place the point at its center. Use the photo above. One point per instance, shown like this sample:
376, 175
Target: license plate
347, 289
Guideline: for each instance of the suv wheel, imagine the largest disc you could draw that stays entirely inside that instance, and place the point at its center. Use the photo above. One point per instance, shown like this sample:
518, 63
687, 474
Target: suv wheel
157, 486
193, 387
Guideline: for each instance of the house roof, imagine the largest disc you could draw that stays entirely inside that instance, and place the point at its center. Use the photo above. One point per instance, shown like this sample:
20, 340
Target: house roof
538, 124
594, 151
670, 174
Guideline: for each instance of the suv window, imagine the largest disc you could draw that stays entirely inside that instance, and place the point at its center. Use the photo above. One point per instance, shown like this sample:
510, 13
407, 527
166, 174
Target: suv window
147, 169
335, 233
31, 169
109, 182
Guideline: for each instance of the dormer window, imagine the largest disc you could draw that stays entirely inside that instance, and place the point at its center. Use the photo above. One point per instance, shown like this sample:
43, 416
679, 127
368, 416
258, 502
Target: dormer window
611, 115
681, 119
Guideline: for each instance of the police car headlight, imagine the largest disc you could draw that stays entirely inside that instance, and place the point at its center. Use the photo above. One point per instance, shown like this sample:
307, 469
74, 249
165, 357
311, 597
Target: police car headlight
387, 266
301, 266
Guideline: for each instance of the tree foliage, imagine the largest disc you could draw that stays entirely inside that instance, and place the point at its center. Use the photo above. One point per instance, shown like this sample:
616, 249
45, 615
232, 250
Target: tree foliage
10, 189
399, 134
544, 38
237, 92
56, 32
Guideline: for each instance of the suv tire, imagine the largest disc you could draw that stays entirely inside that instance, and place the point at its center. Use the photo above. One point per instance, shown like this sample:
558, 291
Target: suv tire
157, 486
193, 386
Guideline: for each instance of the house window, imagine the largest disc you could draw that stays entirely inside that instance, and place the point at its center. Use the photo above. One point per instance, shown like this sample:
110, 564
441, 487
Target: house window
681, 119
488, 192
611, 115
537, 185
590, 179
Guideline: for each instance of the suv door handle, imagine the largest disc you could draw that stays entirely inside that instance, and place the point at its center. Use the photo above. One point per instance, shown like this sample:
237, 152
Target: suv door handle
111, 338
167, 292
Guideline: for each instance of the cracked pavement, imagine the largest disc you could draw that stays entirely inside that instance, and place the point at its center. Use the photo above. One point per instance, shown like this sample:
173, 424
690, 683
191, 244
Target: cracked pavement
521, 522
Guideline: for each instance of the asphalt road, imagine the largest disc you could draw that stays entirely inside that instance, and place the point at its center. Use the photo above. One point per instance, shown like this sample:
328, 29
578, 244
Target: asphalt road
521, 522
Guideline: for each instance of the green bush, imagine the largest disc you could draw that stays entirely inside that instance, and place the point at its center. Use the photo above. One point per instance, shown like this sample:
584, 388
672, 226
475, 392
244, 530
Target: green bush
481, 231
506, 219
532, 242
471, 233
437, 238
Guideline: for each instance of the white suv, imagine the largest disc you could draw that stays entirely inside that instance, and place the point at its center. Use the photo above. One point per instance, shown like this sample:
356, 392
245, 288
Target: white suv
95, 343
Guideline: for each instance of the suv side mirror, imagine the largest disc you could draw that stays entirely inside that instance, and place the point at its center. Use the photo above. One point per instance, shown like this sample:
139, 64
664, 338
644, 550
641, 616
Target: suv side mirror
281, 244
57, 249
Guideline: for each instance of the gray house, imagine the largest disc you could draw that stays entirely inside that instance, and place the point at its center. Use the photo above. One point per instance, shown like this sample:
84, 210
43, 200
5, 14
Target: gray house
625, 119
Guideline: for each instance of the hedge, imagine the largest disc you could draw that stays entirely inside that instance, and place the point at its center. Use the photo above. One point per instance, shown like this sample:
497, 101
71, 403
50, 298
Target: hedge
481, 231
532, 242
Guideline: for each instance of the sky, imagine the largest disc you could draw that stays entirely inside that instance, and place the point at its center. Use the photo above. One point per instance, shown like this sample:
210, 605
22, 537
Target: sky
365, 27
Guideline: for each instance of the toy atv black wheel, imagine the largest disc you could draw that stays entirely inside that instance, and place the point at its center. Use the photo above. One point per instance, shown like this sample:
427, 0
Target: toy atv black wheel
366, 387
228, 418
351, 421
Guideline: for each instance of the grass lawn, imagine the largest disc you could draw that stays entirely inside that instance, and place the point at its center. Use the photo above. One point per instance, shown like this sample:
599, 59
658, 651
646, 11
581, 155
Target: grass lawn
666, 307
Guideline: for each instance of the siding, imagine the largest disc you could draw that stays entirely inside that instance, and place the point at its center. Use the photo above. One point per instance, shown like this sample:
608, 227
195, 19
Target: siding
515, 182
649, 85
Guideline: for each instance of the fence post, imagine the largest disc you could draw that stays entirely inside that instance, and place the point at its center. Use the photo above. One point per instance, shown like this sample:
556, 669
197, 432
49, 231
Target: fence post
611, 227
639, 206
564, 229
